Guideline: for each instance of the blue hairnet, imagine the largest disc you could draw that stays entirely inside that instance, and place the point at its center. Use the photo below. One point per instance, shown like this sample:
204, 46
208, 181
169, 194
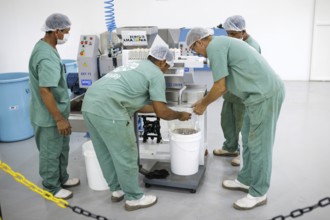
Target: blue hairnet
234, 23
56, 21
162, 53
196, 34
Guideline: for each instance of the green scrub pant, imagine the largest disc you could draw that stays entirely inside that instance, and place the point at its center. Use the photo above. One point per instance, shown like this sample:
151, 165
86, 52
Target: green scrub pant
115, 146
260, 125
53, 157
232, 115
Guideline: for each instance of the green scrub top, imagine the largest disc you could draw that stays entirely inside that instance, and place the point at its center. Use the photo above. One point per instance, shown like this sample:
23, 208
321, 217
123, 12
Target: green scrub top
125, 90
46, 70
248, 75
253, 43
229, 96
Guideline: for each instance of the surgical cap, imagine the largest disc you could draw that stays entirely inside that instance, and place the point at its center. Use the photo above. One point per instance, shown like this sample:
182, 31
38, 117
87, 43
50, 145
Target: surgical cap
234, 23
56, 21
196, 34
162, 53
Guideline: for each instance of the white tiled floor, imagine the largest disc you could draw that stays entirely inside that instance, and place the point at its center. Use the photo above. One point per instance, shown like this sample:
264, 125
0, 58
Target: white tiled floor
300, 175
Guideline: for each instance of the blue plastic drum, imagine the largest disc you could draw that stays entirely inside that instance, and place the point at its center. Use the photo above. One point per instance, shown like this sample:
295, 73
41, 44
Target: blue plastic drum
70, 66
15, 122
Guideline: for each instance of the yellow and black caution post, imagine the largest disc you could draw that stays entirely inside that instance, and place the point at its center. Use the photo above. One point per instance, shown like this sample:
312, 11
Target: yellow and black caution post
0, 213
47, 195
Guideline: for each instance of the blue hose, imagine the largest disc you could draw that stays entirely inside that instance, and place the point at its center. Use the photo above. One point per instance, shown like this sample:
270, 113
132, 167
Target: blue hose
110, 16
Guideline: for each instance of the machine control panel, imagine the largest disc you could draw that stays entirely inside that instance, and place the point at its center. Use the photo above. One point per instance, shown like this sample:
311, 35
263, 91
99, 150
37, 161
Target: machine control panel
87, 60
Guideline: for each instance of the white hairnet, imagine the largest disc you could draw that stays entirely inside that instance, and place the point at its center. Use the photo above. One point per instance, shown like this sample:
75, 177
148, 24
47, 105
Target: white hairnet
234, 23
161, 52
196, 34
56, 21
170, 59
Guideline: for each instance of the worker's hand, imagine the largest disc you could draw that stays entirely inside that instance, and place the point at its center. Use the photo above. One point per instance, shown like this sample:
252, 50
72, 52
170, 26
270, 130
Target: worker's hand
184, 116
63, 127
199, 108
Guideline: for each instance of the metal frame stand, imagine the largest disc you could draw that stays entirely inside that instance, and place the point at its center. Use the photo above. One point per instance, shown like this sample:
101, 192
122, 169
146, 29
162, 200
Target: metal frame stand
190, 182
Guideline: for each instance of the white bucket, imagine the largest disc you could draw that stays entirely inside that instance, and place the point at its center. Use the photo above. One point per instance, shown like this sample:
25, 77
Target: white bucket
185, 152
95, 177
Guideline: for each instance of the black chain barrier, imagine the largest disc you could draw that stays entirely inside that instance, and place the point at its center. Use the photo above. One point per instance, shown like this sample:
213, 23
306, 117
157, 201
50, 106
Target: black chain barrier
0, 213
299, 212
86, 213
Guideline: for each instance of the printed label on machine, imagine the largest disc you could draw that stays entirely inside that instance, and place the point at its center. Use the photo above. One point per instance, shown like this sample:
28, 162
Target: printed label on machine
134, 38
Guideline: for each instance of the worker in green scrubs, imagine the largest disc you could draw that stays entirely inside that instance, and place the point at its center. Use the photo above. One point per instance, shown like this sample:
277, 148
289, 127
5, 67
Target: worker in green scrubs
108, 109
233, 109
240, 69
50, 107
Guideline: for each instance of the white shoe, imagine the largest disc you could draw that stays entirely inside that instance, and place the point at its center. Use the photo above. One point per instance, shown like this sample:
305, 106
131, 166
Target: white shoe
144, 202
235, 185
63, 194
250, 202
117, 196
236, 161
224, 153
71, 183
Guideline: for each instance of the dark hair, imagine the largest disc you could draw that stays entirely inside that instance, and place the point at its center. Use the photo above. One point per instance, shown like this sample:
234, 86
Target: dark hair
62, 30
152, 59
220, 26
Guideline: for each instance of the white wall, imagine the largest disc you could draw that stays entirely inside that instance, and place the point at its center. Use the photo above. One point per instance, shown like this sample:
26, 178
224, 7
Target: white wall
320, 65
282, 27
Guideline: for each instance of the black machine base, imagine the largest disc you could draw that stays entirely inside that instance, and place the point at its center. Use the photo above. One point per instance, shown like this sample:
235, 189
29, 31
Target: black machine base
190, 183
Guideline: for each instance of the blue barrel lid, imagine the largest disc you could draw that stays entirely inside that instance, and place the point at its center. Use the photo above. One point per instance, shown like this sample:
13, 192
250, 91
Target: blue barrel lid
13, 77
66, 61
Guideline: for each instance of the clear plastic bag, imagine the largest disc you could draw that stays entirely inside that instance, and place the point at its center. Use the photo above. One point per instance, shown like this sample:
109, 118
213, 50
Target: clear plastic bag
185, 126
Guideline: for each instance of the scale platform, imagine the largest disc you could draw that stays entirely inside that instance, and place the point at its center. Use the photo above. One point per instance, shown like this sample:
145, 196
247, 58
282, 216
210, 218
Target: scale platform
190, 183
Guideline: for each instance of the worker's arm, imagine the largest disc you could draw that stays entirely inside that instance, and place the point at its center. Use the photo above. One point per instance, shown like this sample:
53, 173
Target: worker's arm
166, 113
147, 109
63, 125
218, 89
